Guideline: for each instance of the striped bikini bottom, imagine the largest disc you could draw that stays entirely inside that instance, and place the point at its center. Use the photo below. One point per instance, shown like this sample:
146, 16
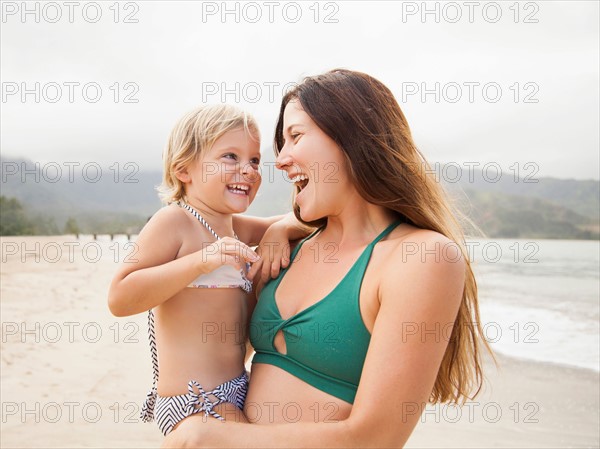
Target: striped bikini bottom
169, 410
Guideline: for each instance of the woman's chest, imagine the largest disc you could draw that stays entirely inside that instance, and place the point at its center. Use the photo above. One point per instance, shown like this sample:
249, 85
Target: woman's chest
320, 274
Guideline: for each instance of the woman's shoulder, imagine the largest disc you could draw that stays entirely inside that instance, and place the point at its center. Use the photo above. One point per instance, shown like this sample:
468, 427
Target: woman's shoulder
406, 230
417, 246
421, 263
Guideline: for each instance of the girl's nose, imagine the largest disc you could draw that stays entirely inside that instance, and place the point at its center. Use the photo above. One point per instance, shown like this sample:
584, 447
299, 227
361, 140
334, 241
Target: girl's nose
250, 173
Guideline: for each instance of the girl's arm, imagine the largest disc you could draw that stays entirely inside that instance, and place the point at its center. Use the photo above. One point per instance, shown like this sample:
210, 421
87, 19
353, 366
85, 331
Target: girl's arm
151, 274
422, 290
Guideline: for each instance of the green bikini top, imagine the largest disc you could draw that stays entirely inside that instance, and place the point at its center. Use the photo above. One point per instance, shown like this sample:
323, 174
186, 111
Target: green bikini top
326, 343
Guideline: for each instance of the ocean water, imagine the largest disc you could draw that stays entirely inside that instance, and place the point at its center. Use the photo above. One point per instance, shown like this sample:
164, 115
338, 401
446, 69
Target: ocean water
540, 299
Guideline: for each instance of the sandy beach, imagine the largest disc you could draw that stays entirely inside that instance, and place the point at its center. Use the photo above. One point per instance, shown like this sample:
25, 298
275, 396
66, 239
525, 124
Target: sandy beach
72, 375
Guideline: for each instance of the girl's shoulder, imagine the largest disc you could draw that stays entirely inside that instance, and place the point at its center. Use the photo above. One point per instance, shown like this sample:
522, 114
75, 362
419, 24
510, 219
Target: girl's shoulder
170, 215
180, 226
168, 221
169, 210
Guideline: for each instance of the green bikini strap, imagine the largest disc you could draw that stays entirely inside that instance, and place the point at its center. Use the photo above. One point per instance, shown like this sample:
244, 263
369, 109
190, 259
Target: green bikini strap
377, 239
299, 245
386, 231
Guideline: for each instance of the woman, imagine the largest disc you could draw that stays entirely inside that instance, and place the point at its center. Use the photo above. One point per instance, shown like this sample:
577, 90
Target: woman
377, 313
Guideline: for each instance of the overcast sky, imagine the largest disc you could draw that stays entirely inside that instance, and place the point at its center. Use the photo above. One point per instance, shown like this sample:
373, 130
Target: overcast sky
505, 82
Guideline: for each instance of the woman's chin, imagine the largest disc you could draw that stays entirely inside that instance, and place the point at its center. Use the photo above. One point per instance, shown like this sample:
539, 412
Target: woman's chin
307, 216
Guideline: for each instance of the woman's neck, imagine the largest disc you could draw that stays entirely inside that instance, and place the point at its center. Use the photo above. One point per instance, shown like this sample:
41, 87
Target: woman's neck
357, 224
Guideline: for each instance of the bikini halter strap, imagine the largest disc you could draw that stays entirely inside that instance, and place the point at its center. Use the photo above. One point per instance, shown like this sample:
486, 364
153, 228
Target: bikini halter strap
200, 218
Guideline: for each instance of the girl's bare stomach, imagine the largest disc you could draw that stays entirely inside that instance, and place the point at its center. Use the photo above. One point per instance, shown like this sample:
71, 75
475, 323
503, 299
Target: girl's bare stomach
201, 336
276, 396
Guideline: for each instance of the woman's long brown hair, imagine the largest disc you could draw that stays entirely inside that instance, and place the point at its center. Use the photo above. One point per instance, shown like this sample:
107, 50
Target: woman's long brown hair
362, 116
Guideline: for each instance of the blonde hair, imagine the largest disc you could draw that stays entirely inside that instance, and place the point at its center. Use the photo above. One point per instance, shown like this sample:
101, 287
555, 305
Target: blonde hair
193, 135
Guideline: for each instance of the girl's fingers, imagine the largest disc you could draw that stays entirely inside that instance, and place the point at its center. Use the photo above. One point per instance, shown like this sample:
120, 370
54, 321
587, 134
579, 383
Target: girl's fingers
232, 246
234, 261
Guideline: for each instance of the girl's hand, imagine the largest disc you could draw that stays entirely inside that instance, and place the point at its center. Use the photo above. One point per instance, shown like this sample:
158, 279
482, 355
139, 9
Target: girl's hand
226, 251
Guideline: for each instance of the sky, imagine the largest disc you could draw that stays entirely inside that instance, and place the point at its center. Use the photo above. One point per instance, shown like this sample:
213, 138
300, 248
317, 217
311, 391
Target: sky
504, 83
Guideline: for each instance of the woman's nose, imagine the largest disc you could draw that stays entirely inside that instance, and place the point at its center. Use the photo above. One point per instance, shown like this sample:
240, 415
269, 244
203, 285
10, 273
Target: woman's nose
283, 159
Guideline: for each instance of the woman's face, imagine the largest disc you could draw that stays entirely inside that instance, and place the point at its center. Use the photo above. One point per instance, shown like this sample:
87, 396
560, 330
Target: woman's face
315, 163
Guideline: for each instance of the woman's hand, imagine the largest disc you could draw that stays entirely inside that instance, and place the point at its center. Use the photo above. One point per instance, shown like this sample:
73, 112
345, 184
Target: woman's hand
274, 248
272, 234
188, 433
274, 251
196, 431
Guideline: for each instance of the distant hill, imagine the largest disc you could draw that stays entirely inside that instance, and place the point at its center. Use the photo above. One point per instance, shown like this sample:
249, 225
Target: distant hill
100, 203
526, 207
518, 216
580, 196
549, 208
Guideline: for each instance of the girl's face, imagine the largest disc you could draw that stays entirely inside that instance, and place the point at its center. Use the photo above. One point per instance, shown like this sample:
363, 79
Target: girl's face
315, 163
226, 178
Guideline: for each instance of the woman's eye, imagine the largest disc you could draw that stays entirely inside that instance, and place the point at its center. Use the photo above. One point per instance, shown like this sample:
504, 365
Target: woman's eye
295, 137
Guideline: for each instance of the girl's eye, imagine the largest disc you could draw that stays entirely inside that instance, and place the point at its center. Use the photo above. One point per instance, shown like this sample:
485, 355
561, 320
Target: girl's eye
230, 156
255, 161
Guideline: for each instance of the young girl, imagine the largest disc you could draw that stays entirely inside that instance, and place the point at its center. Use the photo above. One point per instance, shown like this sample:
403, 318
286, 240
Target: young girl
191, 269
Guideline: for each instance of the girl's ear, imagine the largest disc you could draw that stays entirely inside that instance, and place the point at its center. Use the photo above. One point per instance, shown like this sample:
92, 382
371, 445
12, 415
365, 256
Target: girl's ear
183, 175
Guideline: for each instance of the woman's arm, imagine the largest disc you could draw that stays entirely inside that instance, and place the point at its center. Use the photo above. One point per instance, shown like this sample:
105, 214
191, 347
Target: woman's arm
151, 274
273, 242
422, 290
214, 433
251, 230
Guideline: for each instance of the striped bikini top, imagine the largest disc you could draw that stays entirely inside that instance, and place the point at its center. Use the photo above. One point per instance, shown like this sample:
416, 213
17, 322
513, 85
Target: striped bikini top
224, 276
326, 343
